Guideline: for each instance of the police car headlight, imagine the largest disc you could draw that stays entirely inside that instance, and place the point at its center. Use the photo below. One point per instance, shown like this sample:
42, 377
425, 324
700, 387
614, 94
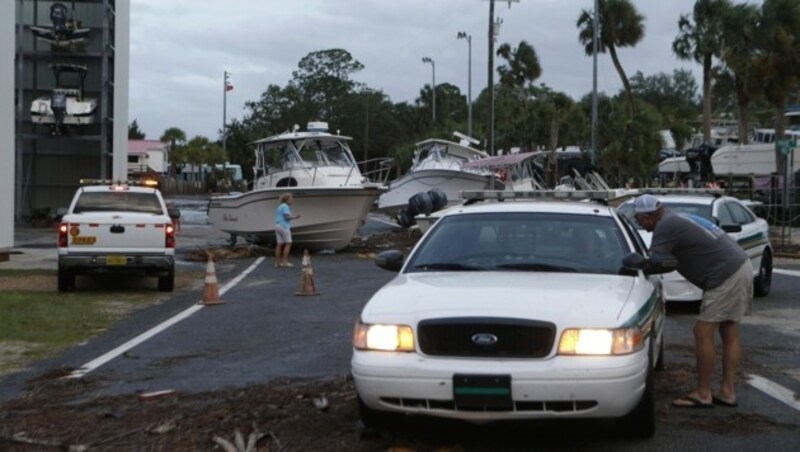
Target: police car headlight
619, 341
395, 338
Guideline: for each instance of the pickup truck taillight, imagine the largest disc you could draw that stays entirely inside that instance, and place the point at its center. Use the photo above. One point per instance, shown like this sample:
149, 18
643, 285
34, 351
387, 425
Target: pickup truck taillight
62, 235
170, 236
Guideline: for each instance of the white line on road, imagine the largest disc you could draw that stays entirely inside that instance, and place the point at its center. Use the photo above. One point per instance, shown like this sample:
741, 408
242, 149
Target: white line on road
781, 271
99, 361
774, 390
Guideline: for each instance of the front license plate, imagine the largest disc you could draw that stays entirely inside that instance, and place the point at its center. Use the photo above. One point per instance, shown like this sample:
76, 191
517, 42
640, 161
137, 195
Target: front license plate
116, 260
490, 391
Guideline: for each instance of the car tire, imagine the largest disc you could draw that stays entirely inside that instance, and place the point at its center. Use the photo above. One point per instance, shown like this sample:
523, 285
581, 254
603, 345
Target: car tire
641, 421
660, 361
166, 283
763, 282
373, 418
66, 280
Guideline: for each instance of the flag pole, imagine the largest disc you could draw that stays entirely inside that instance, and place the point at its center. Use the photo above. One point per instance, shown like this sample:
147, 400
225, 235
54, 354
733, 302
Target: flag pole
224, 110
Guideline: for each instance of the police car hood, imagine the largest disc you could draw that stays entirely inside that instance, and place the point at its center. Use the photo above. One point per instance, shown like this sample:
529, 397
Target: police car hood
579, 300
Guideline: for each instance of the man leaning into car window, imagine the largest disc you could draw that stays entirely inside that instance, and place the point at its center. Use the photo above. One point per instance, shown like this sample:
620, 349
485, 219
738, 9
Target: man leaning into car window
712, 261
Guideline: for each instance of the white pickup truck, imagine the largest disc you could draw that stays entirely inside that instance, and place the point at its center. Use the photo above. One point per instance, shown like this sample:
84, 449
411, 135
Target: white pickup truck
117, 228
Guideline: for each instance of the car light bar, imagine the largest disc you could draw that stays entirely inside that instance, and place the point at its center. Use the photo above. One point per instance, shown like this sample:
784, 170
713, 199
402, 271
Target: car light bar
548, 195
682, 191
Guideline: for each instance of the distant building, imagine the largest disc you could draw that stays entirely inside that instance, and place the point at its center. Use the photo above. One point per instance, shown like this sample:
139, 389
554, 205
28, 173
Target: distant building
147, 156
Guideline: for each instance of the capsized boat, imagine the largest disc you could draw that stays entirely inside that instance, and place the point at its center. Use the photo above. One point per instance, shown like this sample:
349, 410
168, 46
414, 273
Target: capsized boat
438, 164
318, 169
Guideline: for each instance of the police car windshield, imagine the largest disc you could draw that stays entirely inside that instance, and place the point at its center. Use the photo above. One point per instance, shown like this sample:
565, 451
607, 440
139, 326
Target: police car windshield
118, 201
701, 210
522, 241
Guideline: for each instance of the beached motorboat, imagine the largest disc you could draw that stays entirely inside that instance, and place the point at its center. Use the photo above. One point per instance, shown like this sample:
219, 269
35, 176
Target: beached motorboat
66, 105
318, 169
438, 163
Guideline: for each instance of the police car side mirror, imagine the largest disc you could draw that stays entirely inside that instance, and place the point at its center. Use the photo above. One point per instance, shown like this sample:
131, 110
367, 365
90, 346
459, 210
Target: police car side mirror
731, 228
634, 261
391, 260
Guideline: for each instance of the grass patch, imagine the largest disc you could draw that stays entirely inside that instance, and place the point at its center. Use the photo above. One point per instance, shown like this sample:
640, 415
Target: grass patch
36, 322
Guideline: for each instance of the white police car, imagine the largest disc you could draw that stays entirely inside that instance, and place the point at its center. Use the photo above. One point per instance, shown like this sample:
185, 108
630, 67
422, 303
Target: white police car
733, 216
516, 310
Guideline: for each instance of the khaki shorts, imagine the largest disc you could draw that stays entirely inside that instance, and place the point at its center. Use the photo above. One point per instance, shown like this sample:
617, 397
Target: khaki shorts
282, 235
732, 300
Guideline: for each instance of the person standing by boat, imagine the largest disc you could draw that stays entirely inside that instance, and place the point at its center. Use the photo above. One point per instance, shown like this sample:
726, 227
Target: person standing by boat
283, 230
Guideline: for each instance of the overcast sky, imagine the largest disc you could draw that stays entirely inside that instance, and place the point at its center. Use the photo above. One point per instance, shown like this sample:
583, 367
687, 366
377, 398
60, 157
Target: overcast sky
180, 49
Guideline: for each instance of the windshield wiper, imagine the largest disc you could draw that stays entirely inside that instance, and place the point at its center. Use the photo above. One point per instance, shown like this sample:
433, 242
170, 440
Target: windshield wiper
455, 266
538, 267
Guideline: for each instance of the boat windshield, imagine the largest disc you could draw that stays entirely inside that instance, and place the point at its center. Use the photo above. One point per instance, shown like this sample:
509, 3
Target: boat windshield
438, 152
325, 153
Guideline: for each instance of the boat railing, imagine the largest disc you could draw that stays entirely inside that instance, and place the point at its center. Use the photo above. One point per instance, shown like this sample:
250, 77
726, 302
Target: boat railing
376, 170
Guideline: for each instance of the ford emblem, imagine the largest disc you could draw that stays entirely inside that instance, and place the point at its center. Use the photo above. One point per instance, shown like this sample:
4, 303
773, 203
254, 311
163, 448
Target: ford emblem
484, 339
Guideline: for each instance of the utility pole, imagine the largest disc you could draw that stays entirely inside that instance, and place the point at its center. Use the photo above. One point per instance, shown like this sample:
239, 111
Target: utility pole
595, 48
433, 86
226, 86
493, 31
463, 35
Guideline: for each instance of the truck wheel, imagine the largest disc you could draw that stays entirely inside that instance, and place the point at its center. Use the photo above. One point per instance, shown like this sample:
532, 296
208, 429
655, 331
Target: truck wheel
763, 281
66, 280
166, 283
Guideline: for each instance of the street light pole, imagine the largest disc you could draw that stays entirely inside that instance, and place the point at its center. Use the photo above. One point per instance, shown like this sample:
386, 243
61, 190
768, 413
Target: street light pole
463, 35
433, 86
225, 89
493, 30
595, 46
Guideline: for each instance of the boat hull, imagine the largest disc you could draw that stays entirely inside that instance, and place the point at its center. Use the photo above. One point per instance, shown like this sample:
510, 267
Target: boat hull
452, 182
746, 160
329, 218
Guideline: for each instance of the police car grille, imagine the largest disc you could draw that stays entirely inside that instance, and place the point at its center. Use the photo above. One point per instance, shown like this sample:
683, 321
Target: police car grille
486, 337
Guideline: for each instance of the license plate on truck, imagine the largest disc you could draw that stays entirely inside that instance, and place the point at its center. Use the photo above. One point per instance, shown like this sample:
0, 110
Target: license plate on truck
116, 260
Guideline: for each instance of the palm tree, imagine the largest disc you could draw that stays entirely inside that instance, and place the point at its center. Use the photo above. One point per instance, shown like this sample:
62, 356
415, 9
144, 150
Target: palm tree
778, 61
621, 25
522, 65
739, 33
173, 137
699, 39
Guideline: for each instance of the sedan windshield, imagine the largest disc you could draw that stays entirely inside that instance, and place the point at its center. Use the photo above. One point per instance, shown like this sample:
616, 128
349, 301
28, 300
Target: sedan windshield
522, 241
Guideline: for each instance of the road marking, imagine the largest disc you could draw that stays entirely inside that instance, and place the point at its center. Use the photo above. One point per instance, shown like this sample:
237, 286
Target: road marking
99, 361
774, 390
781, 271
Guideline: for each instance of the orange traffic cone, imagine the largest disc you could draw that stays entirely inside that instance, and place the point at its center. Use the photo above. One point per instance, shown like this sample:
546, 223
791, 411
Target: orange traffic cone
211, 287
307, 286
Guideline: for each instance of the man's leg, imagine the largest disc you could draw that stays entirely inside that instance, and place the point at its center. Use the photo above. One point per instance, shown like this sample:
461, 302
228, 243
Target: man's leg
705, 354
731, 355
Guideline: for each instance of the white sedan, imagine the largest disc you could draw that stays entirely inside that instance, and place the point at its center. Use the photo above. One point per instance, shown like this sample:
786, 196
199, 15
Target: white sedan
516, 310
733, 216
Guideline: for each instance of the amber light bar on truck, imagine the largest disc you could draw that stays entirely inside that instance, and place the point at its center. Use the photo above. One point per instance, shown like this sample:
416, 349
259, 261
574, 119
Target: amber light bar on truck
119, 183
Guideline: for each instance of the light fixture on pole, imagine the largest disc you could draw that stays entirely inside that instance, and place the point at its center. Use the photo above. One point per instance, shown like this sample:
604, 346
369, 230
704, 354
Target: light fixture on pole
494, 28
433, 86
463, 35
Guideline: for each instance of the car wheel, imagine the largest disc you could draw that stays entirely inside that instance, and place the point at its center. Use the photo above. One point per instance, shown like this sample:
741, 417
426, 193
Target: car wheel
660, 361
66, 280
373, 418
763, 282
641, 421
166, 283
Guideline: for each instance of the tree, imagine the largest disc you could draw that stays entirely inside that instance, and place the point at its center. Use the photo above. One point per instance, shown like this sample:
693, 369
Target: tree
323, 81
621, 25
173, 138
699, 39
134, 133
522, 65
778, 62
675, 96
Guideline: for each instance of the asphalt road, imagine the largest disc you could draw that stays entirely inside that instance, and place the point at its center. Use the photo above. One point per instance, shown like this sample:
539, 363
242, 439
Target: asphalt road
264, 331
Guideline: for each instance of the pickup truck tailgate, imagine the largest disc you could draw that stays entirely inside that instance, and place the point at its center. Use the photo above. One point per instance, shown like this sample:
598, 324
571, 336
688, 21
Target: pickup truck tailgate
133, 232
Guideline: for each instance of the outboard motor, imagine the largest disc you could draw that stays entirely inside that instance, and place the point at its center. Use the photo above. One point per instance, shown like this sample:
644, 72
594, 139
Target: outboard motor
405, 220
58, 104
438, 198
421, 203
58, 16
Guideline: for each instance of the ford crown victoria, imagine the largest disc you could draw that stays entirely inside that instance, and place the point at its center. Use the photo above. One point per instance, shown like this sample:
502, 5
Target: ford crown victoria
516, 310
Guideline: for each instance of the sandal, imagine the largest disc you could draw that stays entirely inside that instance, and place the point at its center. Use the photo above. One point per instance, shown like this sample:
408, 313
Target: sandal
691, 401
